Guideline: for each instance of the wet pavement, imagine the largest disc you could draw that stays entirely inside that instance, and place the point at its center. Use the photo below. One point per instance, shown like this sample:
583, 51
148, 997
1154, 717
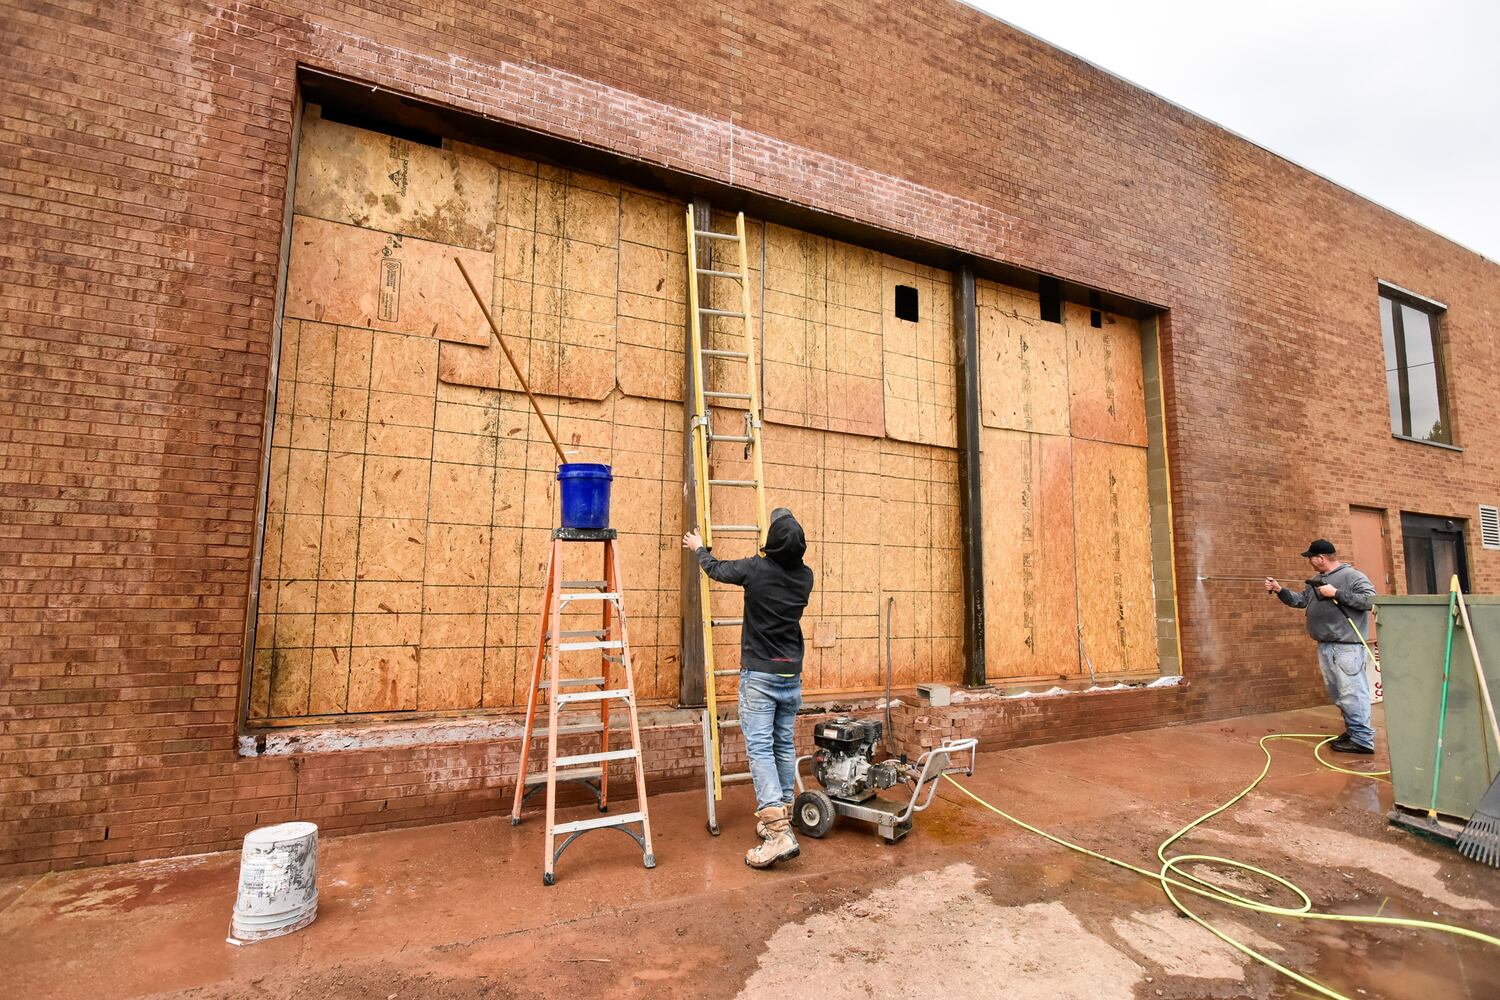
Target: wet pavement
966, 906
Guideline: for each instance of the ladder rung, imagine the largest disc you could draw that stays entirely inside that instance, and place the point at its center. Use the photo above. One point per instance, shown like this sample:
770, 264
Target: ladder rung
709, 352
735, 529
588, 597
581, 774
576, 729
597, 822
731, 482
710, 234
727, 395
720, 312
571, 682
583, 633
584, 584
576, 647
742, 438
726, 621
613, 694
725, 673
718, 274
597, 758
742, 776
729, 723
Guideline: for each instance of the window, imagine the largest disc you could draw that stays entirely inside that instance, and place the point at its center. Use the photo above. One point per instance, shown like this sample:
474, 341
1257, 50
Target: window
906, 303
1434, 550
1050, 292
1414, 379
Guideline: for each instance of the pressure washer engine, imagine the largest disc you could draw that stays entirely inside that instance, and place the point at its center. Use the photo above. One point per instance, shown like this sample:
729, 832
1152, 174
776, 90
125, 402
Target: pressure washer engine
844, 764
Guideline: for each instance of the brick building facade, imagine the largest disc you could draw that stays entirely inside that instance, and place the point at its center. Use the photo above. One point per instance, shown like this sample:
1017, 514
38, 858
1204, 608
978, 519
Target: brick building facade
146, 189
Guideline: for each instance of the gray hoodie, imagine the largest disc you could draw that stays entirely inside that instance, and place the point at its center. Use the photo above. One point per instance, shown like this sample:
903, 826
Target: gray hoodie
1326, 619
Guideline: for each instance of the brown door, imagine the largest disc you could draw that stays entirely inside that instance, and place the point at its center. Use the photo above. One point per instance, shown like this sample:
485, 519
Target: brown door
1371, 555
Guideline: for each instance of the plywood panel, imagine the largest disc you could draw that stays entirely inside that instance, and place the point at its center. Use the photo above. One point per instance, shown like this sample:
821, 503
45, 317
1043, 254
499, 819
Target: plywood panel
1023, 363
919, 362
1114, 556
362, 178
1029, 582
1105, 379
359, 277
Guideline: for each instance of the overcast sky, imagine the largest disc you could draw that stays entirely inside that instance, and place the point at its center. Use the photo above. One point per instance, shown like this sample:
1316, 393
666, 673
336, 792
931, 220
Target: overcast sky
1398, 101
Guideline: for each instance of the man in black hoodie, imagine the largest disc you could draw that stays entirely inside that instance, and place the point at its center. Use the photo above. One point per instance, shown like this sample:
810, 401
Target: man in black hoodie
777, 587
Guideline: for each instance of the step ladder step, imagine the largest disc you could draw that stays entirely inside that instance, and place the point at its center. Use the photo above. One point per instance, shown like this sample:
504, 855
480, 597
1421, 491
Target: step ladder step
718, 274
710, 352
597, 823
578, 647
727, 395
732, 482
613, 694
709, 234
576, 729
577, 774
566, 598
571, 682
726, 621
705, 310
584, 633
597, 758
585, 584
735, 529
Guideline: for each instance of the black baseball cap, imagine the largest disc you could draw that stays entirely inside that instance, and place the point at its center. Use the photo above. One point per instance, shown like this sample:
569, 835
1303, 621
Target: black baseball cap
1319, 547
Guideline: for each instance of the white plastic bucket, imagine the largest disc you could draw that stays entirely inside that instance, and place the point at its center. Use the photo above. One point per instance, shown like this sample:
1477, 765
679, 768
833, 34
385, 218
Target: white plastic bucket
278, 890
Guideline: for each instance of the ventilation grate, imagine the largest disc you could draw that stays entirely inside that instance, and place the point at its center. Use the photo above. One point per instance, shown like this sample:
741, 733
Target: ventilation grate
1489, 527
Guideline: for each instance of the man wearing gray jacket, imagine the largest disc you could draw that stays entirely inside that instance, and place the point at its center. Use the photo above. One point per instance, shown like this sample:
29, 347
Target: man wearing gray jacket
1337, 599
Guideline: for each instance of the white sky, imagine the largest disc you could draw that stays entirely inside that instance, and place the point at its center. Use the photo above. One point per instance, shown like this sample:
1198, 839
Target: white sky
1398, 101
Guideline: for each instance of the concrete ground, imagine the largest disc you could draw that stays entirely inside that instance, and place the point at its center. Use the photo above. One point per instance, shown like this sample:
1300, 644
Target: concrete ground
967, 906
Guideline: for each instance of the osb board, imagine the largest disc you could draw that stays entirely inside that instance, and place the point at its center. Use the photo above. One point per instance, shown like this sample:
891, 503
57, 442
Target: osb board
1113, 538
1023, 362
652, 305
920, 366
556, 279
881, 518
1105, 378
1029, 573
380, 182
360, 277
822, 334
407, 538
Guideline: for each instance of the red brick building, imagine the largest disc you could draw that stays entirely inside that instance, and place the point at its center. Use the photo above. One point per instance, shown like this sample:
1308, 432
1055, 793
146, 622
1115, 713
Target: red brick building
147, 190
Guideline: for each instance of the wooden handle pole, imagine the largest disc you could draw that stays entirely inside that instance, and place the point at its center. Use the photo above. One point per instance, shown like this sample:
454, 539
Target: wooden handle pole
1484, 688
508, 357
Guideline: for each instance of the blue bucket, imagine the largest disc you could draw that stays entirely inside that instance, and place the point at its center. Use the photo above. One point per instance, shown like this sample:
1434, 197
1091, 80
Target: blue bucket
585, 494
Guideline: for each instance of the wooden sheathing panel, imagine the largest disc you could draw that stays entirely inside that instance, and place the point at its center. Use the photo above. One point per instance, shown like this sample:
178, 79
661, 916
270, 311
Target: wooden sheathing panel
822, 334
1029, 573
360, 277
1023, 363
1114, 557
919, 363
1105, 377
363, 178
555, 275
652, 305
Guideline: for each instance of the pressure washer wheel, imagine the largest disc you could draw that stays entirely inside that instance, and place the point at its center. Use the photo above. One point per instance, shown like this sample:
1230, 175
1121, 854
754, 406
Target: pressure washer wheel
813, 813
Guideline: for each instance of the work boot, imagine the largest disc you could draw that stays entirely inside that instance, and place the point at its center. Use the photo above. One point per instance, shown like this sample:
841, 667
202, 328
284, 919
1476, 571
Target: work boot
1347, 745
780, 844
761, 830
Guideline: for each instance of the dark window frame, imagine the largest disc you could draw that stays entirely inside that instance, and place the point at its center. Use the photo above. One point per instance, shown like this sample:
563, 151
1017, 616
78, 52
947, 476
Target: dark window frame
1434, 312
1424, 529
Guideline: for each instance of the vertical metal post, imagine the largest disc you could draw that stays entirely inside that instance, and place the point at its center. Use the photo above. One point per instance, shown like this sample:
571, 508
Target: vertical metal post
690, 676
970, 508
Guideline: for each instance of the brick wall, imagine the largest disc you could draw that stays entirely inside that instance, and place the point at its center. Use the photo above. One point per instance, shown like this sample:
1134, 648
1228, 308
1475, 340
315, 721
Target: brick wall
143, 179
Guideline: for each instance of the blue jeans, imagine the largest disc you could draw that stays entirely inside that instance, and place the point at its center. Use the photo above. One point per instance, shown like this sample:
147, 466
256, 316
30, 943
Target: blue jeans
1343, 666
768, 718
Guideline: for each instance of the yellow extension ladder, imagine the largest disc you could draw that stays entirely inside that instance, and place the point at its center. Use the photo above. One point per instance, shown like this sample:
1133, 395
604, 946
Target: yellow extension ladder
713, 333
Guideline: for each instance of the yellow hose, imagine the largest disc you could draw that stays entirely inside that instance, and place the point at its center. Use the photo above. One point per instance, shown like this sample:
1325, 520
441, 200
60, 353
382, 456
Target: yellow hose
1172, 878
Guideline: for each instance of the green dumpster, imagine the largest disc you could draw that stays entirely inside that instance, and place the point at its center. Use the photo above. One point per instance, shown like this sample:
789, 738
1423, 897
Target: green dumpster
1413, 632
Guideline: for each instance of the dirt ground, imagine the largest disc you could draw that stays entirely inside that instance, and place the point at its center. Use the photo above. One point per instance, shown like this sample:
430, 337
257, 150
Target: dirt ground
967, 906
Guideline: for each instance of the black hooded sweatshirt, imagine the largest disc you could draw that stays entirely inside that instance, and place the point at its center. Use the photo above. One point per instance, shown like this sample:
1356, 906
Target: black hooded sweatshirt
776, 591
